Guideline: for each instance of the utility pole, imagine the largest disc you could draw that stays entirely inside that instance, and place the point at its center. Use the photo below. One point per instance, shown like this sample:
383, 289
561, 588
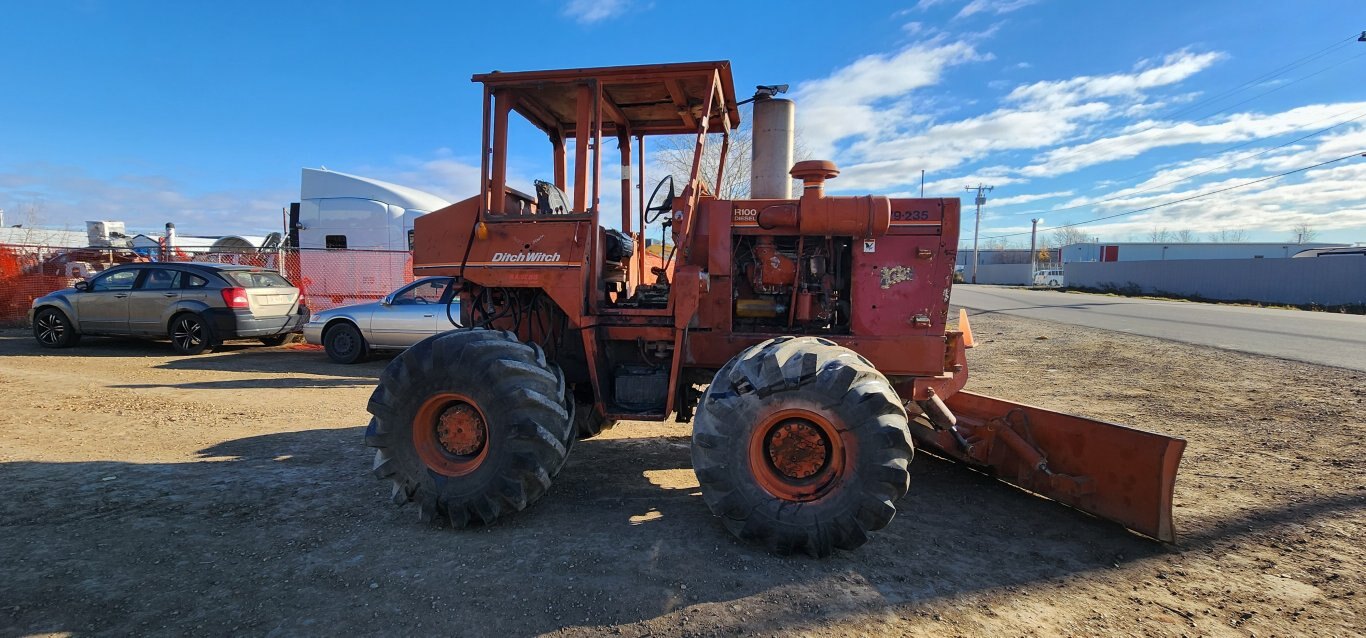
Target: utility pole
1033, 251
922, 182
977, 227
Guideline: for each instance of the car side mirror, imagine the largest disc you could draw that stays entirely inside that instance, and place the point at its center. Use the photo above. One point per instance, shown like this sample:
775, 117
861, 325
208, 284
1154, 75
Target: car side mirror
388, 300
83, 286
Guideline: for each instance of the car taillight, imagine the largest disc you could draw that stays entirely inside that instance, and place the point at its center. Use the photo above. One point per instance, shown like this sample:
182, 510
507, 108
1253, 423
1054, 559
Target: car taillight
236, 298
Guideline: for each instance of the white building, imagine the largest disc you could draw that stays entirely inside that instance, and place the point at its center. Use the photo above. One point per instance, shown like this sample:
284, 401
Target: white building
56, 238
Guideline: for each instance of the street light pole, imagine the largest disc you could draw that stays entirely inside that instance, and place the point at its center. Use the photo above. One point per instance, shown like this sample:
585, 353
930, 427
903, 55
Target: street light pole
977, 227
1033, 251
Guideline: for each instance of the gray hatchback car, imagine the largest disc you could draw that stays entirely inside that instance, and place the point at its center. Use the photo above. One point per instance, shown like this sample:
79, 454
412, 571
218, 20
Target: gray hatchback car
195, 305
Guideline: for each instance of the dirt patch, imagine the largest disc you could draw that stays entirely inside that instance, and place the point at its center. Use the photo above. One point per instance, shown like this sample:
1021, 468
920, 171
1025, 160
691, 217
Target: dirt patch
229, 493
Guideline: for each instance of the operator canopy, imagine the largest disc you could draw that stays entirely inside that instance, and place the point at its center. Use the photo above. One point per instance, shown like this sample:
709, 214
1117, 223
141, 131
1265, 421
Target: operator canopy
652, 99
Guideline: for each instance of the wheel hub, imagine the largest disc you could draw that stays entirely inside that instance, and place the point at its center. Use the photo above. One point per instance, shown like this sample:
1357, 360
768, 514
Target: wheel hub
798, 449
451, 434
460, 430
798, 454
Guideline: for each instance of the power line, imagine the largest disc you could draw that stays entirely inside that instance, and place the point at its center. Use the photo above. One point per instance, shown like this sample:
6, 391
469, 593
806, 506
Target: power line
1281, 86
1187, 199
1268, 75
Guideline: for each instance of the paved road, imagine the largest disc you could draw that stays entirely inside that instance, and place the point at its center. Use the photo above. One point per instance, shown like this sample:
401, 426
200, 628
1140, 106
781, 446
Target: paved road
1316, 337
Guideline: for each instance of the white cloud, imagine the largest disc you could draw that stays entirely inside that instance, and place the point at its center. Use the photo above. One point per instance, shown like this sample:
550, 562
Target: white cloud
955, 186
1172, 69
861, 115
928, 4
1332, 198
590, 11
993, 6
877, 118
1145, 136
864, 98
1014, 200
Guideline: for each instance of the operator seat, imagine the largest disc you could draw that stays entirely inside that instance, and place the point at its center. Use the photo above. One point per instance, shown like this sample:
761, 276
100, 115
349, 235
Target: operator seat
617, 247
550, 200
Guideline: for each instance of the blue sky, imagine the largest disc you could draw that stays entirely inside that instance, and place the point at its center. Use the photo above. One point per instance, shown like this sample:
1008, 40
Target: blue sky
203, 113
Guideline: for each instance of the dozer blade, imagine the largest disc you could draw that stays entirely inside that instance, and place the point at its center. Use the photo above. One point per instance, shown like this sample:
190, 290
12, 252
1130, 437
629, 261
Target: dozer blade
1108, 470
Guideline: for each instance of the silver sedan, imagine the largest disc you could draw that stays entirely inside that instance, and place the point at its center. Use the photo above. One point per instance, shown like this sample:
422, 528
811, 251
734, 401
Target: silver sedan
404, 317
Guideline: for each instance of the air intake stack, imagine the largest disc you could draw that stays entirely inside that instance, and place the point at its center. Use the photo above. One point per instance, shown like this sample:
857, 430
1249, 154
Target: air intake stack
771, 146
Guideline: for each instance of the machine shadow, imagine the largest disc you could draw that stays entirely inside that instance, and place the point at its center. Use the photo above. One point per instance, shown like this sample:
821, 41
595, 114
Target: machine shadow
288, 531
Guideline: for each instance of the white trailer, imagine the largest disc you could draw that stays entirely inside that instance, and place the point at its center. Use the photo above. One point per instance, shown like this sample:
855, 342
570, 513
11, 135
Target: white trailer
355, 235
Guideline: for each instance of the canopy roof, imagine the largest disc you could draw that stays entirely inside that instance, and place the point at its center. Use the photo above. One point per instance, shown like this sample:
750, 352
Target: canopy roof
652, 99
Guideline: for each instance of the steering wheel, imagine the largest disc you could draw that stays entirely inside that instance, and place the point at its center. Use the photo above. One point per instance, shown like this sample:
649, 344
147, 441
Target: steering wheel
664, 207
421, 300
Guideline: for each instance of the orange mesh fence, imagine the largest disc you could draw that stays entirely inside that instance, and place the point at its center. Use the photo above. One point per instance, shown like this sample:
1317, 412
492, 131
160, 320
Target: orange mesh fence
331, 278
28, 272
327, 278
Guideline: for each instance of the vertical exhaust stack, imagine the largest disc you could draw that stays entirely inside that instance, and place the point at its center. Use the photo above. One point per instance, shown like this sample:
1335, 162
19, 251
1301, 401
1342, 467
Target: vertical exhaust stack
771, 146
168, 244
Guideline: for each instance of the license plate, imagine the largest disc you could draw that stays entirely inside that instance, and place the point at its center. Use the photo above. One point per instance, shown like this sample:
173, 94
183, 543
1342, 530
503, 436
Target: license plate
273, 300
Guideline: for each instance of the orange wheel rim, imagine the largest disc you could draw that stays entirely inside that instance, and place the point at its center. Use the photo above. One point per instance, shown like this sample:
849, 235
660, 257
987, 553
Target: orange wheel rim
451, 434
797, 454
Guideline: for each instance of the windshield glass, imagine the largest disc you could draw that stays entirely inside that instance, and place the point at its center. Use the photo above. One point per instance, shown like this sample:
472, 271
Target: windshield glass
256, 279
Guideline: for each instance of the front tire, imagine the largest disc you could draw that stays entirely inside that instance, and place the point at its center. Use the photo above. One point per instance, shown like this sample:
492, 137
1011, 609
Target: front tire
471, 425
801, 445
190, 334
345, 344
53, 330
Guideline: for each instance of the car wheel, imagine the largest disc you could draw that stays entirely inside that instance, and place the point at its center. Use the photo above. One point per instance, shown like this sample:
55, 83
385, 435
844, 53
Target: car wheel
344, 344
277, 340
1053, 282
190, 334
53, 330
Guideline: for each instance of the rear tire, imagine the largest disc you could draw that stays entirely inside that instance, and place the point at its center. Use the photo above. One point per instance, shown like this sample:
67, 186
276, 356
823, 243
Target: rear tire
345, 344
471, 425
801, 445
53, 330
190, 334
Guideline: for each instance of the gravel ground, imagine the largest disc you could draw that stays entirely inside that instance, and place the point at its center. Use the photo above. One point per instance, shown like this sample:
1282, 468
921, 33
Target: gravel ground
145, 493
